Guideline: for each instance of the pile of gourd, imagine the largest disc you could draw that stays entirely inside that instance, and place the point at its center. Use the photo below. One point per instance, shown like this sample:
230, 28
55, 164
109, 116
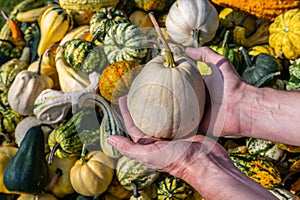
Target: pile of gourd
65, 64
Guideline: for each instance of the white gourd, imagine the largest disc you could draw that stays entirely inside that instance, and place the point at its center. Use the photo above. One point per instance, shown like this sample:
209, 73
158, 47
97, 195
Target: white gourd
192, 22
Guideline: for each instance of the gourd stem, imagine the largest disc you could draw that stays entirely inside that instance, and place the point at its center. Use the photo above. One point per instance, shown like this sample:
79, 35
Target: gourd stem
38, 72
53, 150
246, 57
135, 189
58, 173
288, 176
196, 35
83, 153
170, 62
225, 40
7, 138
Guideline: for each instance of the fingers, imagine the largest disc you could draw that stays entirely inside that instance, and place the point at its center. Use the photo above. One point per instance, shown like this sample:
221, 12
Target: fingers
204, 54
136, 134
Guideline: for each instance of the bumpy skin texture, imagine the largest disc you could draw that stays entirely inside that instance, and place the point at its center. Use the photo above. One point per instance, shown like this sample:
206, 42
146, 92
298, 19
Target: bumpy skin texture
266, 10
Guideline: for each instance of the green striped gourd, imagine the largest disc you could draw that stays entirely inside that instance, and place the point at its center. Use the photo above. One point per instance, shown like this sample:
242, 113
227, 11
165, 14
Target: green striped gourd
11, 68
125, 41
84, 56
104, 19
283, 194
65, 140
110, 124
264, 148
172, 188
129, 170
258, 169
9, 119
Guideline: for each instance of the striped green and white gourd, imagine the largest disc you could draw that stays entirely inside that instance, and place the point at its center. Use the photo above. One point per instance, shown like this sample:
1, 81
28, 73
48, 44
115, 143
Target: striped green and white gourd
264, 148
283, 194
104, 19
84, 56
258, 169
173, 188
129, 170
125, 41
9, 120
109, 125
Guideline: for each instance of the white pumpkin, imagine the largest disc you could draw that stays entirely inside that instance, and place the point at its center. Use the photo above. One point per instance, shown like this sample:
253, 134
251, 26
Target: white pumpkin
192, 22
167, 102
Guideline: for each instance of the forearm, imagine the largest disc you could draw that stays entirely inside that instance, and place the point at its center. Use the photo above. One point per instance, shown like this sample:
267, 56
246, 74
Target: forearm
215, 183
271, 115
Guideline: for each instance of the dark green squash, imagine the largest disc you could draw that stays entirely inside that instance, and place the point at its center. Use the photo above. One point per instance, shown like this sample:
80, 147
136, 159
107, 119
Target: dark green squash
28, 171
84, 56
261, 70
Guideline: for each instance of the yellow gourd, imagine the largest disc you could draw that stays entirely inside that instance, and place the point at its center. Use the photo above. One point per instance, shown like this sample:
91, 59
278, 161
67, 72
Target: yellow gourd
285, 34
261, 9
54, 23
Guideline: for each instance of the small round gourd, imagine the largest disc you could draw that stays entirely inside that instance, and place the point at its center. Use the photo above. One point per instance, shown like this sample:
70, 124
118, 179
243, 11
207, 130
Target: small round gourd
125, 41
84, 56
284, 34
116, 79
104, 19
152, 5
92, 174
191, 23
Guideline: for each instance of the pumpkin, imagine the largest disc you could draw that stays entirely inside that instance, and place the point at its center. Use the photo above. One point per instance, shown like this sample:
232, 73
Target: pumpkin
54, 23
129, 170
104, 19
262, 10
25, 88
283, 194
258, 169
84, 56
264, 48
59, 174
6, 154
30, 158
125, 41
173, 188
261, 69
166, 99
152, 5
284, 34
191, 23
92, 174
116, 79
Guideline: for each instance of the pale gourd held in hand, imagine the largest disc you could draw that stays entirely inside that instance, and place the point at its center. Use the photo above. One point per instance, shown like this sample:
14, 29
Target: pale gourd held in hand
167, 98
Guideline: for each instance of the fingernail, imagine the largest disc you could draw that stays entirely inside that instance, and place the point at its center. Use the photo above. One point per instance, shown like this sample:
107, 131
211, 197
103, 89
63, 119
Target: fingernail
111, 140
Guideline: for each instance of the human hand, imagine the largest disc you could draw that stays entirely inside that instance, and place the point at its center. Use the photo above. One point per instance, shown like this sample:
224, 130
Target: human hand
173, 156
226, 90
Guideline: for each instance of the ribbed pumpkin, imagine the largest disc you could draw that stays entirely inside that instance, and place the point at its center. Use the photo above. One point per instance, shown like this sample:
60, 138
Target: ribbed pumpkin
191, 22
87, 5
258, 169
116, 79
125, 41
104, 19
262, 10
84, 56
284, 34
92, 174
152, 5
